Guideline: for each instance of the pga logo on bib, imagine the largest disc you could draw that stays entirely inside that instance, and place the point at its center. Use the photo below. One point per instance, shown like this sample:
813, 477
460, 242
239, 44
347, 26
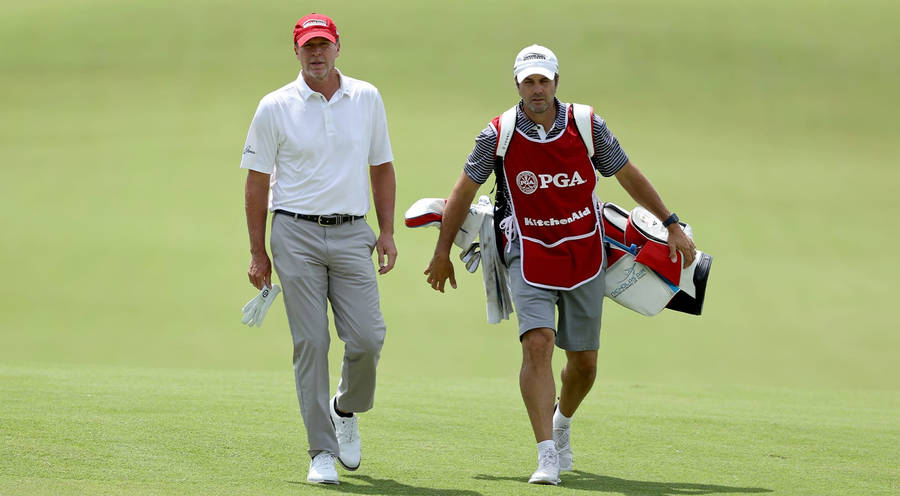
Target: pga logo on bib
529, 182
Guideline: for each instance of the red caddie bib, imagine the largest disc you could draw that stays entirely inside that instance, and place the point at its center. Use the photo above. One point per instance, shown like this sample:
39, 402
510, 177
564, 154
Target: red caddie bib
551, 186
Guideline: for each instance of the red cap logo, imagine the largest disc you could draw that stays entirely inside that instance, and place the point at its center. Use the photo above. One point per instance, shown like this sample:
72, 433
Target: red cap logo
314, 26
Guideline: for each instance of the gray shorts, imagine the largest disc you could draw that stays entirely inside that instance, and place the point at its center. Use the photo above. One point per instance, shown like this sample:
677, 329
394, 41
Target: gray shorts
579, 309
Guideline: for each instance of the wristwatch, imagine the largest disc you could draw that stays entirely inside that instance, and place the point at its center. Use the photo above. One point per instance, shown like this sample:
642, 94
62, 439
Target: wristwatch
670, 220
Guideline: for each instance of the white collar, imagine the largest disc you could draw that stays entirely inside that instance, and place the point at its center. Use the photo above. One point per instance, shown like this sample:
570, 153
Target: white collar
306, 91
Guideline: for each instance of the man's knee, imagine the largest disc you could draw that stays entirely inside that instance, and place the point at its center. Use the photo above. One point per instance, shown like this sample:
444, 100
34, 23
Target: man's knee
582, 364
311, 346
537, 344
367, 343
585, 371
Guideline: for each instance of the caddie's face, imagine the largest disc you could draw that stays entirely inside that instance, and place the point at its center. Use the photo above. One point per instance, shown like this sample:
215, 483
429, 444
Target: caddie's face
537, 92
317, 57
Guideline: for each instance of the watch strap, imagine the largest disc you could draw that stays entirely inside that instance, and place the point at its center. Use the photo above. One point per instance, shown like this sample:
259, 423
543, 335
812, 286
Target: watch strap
672, 219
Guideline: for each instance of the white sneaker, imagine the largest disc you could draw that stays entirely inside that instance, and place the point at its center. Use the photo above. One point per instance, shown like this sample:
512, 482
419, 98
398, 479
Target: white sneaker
321, 469
563, 444
347, 431
548, 468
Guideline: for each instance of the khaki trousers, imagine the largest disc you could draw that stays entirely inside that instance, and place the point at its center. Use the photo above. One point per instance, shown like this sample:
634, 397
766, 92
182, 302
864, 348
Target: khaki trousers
316, 265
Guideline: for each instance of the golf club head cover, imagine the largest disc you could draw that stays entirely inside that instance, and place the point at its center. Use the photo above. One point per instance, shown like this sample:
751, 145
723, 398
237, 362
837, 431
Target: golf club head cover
647, 232
425, 212
430, 212
255, 310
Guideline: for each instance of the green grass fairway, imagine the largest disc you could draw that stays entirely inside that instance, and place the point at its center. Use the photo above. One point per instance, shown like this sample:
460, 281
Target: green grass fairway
148, 431
770, 126
767, 127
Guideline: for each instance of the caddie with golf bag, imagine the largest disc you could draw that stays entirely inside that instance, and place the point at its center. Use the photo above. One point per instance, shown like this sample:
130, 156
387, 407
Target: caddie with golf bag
550, 236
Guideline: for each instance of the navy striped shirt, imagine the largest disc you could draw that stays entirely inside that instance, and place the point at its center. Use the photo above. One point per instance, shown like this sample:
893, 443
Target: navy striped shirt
608, 155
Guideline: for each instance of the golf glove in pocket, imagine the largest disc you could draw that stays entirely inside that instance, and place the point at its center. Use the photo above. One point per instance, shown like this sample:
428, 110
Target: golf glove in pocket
255, 310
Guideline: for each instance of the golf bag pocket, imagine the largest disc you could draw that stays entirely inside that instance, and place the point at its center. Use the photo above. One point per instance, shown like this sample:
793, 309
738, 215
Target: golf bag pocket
614, 222
635, 286
656, 256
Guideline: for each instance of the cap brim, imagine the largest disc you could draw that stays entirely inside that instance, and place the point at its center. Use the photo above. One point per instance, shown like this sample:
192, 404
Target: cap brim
534, 70
316, 33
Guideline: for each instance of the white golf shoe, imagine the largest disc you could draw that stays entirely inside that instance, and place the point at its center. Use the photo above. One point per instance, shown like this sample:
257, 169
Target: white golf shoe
561, 430
321, 469
347, 431
548, 468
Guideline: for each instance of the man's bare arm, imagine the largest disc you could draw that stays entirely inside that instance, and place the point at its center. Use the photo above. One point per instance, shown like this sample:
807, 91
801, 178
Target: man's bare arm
440, 268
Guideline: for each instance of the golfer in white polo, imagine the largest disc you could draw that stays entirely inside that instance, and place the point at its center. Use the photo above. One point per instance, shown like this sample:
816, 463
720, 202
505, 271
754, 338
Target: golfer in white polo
315, 144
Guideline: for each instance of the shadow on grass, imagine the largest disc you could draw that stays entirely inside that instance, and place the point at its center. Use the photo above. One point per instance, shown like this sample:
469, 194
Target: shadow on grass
371, 485
593, 482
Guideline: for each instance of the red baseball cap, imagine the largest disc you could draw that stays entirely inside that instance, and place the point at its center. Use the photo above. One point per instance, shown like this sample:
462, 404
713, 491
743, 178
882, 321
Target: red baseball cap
315, 25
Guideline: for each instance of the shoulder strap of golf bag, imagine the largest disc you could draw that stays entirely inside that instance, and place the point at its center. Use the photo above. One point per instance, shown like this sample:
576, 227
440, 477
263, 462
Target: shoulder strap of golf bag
505, 133
507, 126
584, 121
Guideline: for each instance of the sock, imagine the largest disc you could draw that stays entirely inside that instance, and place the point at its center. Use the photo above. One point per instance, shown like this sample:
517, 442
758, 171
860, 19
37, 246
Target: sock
546, 445
340, 413
560, 420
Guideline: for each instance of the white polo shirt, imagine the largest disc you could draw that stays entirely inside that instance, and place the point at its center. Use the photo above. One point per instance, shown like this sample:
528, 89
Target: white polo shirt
318, 151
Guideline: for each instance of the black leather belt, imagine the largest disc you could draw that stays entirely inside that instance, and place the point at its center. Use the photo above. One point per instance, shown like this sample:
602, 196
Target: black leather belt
322, 220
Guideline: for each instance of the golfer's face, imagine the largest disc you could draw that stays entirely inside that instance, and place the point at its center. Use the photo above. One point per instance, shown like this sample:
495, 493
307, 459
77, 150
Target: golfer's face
537, 91
317, 57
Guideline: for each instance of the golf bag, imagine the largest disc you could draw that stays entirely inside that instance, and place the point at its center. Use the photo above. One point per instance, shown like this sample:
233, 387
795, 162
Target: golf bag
640, 275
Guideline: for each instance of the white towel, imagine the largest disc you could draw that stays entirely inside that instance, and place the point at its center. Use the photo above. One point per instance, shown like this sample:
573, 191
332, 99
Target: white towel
493, 271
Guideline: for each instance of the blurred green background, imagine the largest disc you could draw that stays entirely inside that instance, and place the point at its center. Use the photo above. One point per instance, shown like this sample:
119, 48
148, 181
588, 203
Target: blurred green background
771, 127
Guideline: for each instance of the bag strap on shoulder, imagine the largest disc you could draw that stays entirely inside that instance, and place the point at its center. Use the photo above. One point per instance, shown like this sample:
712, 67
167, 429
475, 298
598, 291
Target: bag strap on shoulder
584, 121
507, 128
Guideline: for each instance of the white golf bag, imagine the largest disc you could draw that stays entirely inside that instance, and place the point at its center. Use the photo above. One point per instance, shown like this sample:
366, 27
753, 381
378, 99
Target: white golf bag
639, 275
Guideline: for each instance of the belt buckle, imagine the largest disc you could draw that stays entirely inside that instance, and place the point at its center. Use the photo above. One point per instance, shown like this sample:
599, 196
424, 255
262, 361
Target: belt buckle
324, 217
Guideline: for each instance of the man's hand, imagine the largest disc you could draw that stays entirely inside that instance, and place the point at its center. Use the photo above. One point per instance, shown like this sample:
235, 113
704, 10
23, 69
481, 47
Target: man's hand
439, 269
678, 241
455, 211
385, 247
260, 271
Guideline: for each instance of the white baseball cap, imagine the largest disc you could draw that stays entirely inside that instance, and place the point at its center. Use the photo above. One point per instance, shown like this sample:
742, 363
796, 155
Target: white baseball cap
535, 59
